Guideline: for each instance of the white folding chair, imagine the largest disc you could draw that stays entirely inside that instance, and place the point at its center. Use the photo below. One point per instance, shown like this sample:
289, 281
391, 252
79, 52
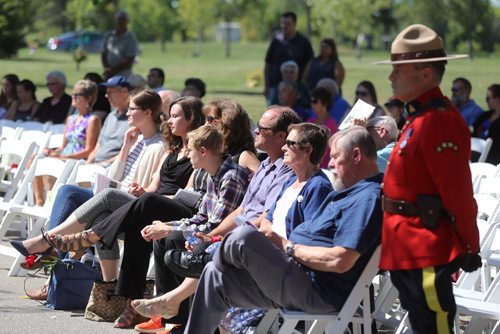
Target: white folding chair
35, 216
39, 137
481, 146
9, 133
338, 323
56, 128
56, 140
84, 173
9, 123
31, 125
14, 152
481, 170
484, 313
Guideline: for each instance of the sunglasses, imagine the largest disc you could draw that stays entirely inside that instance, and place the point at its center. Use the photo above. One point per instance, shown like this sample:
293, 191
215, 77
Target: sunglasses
261, 128
362, 93
314, 101
51, 84
211, 118
77, 95
290, 143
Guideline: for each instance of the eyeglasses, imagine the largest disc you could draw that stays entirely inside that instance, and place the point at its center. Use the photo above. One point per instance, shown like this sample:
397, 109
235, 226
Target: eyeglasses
314, 101
376, 128
77, 95
362, 93
290, 143
135, 108
51, 84
261, 128
211, 119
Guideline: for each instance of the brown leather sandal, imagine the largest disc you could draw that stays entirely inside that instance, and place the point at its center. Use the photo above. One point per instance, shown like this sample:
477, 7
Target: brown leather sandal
76, 242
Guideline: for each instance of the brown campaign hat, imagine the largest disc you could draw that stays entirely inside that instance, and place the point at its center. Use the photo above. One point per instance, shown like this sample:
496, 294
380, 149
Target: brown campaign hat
418, 44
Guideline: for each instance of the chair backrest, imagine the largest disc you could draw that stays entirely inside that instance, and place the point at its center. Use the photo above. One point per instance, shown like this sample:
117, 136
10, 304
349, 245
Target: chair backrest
19, 152
9, 123
358, 294
9, 133
57, 168
83, 173
482, 146
480, 170
56, 140
39, 137
31, 125
56, 128
490, 185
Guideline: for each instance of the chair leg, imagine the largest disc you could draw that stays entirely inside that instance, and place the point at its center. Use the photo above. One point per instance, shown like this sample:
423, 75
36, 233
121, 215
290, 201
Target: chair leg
288, 326
267, 321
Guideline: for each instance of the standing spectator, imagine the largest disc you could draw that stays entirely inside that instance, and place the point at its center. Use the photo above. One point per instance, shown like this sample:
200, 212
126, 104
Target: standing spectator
119, 48
366, 92
395, 108
288, 44
54, 108
428, 172
326, 65
8, 94
156, 79
26, 105
101, 106
488, 124
460, 96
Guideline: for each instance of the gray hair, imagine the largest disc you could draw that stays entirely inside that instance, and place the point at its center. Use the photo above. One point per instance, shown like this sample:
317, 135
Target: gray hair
355, 136
58, 75
289, 63
329, 84
386, 122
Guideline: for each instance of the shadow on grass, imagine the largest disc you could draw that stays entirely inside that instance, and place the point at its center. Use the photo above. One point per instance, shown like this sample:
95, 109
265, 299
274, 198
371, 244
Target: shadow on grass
236, 92
39, 60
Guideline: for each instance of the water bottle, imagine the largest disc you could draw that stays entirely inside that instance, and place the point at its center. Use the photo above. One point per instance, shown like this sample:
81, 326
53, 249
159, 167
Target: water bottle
189, 235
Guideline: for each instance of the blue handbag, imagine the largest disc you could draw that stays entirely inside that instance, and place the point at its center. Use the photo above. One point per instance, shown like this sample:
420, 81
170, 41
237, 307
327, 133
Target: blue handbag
70, 284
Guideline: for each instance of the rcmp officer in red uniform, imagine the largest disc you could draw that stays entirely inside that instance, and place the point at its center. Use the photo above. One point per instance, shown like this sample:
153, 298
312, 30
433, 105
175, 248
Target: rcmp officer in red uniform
429, 228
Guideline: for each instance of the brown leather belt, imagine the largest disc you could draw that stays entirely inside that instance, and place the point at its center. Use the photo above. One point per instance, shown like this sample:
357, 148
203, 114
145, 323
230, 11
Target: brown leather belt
408, 209
403, 208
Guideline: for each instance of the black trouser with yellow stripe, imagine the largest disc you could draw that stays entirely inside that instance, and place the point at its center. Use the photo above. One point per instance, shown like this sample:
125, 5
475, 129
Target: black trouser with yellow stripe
427, 294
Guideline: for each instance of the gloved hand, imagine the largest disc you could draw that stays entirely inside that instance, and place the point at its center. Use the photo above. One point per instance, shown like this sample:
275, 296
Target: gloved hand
471, 262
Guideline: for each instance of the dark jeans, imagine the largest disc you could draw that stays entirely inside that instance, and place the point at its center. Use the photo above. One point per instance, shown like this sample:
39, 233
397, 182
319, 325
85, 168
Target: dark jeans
131, 219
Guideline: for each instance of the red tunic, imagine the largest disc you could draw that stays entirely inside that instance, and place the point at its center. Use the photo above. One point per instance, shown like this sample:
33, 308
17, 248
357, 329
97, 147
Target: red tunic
430, 158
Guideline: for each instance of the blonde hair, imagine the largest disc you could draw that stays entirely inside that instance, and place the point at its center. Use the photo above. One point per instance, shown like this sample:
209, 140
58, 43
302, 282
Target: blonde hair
206, 136
89, 89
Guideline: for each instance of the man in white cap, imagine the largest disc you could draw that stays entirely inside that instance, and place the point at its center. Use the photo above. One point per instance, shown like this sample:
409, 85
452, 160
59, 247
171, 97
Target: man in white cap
429, 228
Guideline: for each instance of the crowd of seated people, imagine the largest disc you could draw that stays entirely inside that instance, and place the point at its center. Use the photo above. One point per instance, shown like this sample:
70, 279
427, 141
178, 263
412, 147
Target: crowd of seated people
253, 213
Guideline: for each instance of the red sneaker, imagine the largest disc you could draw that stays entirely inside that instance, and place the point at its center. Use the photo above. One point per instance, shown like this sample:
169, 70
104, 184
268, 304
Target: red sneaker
152, 326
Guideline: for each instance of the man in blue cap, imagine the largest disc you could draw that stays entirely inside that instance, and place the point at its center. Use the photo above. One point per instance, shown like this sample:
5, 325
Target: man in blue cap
113, 130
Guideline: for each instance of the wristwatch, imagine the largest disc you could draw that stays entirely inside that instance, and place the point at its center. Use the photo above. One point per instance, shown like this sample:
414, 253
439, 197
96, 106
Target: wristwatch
290, 248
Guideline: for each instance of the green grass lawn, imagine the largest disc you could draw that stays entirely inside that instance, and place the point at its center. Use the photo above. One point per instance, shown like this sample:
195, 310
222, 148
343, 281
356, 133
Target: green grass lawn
227, 77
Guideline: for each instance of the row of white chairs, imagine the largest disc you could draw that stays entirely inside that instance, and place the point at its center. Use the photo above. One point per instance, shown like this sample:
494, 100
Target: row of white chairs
481, 146
31, 125
17, 208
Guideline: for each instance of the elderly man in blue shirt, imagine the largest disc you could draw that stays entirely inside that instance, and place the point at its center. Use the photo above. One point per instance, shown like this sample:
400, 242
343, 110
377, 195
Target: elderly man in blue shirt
316, 268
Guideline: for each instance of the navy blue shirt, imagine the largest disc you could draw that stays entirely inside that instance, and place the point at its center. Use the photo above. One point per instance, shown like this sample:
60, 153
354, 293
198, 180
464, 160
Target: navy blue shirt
352, 219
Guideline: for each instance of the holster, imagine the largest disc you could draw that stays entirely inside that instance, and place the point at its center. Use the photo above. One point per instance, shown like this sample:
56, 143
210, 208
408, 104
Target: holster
431, 209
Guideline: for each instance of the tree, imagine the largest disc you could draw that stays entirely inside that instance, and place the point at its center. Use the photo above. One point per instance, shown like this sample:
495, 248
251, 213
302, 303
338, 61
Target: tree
152, 19
231, 10
13, 25
196, 16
